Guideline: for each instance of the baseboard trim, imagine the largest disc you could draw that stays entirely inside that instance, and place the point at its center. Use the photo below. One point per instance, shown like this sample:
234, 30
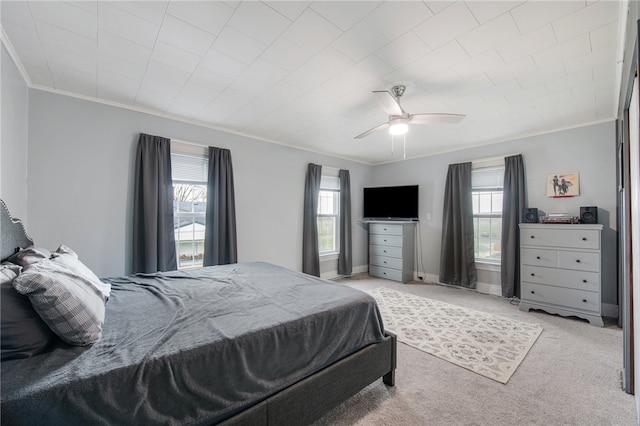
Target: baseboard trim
484, 288
609, 310
332, 275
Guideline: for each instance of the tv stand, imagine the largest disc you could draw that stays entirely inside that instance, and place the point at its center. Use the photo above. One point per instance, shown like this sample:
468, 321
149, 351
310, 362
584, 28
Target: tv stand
391, 249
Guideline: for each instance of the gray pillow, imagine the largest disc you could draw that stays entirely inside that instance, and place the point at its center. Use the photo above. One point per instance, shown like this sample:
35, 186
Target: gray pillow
67, 302
23, 333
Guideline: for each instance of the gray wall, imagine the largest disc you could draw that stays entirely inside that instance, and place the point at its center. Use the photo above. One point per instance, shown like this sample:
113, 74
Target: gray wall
588, 150
14, 134
80, 166
80, 185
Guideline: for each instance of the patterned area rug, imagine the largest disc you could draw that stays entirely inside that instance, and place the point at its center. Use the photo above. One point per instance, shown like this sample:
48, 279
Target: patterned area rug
486, 344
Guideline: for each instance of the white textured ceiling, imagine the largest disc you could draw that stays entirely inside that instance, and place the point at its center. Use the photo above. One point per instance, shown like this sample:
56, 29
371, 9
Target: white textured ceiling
301, 73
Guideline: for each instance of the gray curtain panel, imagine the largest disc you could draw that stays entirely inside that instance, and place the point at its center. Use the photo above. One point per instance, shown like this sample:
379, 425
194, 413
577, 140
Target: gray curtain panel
220, 240
513, 204
310, 250
457, 260
345, 262
154, 245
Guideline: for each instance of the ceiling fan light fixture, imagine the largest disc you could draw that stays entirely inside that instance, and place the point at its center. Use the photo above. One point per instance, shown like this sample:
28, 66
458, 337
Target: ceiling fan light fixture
398, 127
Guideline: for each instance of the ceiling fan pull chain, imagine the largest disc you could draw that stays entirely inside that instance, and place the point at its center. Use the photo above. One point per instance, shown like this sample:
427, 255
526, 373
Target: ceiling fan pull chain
404, 147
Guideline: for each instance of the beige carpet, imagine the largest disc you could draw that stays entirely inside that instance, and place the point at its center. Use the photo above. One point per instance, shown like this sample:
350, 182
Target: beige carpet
489, 345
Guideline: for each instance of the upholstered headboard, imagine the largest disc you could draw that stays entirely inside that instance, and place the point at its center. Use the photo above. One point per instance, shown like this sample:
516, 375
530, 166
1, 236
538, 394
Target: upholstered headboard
12, 233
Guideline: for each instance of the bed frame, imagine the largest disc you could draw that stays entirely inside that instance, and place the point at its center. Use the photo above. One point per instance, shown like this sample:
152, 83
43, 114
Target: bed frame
13, 234
300, 403
311, 398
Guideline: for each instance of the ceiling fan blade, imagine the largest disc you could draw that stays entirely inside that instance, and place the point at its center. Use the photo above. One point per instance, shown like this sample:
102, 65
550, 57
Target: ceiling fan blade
370, 131
388, 102
435, 118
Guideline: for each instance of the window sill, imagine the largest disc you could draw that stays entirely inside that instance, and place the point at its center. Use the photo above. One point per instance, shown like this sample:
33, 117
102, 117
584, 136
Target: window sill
329, 256
488, 266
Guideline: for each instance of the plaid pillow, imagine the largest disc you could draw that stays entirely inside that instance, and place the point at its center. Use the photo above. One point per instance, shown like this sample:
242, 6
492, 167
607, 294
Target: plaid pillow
66, 257
67, 302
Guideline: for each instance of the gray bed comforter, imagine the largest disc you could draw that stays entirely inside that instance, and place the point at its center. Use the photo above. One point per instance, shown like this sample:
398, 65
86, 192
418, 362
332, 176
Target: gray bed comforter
192, 347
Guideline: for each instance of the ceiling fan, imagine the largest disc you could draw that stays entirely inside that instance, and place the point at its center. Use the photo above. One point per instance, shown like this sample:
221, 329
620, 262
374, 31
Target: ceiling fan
399, 119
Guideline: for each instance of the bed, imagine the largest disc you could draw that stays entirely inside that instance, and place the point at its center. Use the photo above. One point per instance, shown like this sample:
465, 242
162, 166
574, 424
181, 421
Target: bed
249, 343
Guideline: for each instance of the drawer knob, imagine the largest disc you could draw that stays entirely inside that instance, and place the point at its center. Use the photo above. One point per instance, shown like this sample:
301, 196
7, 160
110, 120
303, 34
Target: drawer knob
584, 238
533, 292
385, 229
384, 251
577, 260
584, 300
538, 257
532, 236
385, 241
584, 281
385, 262
533, 275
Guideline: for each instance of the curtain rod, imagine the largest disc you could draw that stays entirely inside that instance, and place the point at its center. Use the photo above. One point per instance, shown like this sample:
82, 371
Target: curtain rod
497, 157
332, 168
189, 143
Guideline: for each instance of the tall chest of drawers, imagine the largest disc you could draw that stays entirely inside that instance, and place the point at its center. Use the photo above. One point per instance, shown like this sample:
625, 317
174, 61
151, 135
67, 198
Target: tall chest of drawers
560, 270
391, 249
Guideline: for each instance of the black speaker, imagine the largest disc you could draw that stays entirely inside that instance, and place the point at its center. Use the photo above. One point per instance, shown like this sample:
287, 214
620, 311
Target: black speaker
588, 215
531, 215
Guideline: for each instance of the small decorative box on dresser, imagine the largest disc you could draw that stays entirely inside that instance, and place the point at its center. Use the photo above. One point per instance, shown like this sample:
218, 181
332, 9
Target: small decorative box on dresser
391, 246
560, 270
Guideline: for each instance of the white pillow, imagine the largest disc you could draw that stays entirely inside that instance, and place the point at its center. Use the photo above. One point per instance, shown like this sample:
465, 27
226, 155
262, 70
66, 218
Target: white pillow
8, 271
67, 257
28, 255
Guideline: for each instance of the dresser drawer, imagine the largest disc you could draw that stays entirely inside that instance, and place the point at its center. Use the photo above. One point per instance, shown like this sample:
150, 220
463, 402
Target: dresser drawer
581, 280
563, 297
387, 262
392, 274
539, 257
390, 251
386, 240
385, 229
569, 238
579, 261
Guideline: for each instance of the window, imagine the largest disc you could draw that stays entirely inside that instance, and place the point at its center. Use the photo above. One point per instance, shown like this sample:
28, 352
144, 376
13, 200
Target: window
329, 213
486, 183
189, 175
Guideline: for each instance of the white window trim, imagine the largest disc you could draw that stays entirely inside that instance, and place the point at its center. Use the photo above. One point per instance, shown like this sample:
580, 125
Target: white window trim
488, 266
335, 252
332, 255
488, 163
188, 150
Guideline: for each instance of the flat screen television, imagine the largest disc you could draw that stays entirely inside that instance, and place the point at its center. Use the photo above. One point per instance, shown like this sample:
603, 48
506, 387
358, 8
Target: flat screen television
391, 203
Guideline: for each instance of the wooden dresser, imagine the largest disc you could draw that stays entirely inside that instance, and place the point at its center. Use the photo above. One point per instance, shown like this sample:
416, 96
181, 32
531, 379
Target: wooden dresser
391, 250
560, 268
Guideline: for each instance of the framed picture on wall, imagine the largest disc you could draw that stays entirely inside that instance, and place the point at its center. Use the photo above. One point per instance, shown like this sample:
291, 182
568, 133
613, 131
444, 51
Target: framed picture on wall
560, 185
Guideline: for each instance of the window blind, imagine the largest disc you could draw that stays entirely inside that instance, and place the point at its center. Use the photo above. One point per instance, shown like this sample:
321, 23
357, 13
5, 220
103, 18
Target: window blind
330, 182
487, 178
189, 168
